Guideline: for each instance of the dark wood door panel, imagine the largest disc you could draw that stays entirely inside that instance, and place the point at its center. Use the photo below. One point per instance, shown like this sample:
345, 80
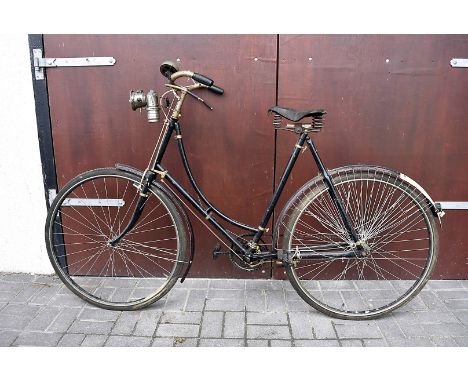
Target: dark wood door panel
393, 101
230, 150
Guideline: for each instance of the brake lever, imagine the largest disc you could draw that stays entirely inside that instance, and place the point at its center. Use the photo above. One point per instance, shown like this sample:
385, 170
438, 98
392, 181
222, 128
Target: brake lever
199, 99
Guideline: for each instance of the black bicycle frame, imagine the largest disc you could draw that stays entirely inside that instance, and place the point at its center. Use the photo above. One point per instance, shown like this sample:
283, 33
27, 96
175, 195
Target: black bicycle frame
208, 211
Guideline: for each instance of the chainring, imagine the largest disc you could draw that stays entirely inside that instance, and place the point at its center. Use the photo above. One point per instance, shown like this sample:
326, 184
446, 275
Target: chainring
242, 264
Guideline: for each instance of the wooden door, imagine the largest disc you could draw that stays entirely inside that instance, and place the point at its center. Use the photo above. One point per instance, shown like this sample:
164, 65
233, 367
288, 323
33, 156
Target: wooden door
230, 149
393, 101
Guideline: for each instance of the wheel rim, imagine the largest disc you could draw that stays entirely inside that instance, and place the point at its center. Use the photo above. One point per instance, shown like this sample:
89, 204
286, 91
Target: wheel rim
389, 219
134, 271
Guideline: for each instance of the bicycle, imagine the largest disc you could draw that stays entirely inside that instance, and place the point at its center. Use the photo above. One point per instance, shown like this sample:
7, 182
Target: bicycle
356, 242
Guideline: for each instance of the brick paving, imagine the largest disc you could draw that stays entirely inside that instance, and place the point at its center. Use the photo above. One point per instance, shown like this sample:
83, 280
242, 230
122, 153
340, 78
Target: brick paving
37, 310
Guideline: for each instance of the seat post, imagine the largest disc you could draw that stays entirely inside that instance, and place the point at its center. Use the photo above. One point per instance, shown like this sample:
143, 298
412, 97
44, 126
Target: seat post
279, 189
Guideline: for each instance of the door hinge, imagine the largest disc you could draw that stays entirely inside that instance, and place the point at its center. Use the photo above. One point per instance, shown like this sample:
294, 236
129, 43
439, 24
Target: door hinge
41, 62
459, 62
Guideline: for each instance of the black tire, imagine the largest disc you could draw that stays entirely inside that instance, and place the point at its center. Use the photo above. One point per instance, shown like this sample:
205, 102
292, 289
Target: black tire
389, 214
93, 208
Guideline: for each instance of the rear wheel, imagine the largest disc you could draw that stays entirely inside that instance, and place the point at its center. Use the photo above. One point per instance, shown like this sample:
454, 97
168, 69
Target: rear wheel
393, 221
95, 207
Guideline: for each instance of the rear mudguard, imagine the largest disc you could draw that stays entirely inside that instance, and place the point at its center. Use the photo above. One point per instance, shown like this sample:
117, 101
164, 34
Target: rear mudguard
435, 207
170, 195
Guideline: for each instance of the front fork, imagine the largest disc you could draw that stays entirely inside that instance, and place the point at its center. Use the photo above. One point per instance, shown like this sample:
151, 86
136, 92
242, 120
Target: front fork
145, 184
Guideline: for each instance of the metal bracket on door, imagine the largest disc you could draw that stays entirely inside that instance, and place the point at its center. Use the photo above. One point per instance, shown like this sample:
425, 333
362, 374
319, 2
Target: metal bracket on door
459, 62
41, 62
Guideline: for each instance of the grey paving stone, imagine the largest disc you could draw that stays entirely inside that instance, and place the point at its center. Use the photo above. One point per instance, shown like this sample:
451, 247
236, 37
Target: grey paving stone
410, 342
126, 323
181, 318
374, 342
177, 330
127, 341
275, 301
445, 329
257, 343
351, 343
37, 339
147, 323
301, 325
445, 284
234, 325
227, 284
260, 284
26, 294
267, 332
71, 340
94, 340
212, 325
267, 318
390, 328
46, 294
432, 301
456, 304
64, 319
414, 331
358, 329
316, 343
44, 318
432, 317
444, 341
176, 300
12, 287
91, 327
455, 294
298, 306
462, 316
21, 310
255, 301
65, 300
48, 279
226, 294
162, 342
8, 336
224, 305
221, 342
18, 277
281, 343
14, 322
461, 341
7, 296
194, 284
196, 300
182, 342
322, 326
96, 314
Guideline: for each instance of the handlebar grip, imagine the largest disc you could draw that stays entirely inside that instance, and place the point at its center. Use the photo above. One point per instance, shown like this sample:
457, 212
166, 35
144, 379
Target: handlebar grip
216, 89
202, 79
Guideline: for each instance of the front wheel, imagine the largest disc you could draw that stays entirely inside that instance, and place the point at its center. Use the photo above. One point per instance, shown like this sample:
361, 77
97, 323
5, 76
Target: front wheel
92, 209
395, 225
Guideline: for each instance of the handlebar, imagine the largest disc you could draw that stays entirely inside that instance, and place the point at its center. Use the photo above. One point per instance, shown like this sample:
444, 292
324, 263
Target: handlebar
200, 78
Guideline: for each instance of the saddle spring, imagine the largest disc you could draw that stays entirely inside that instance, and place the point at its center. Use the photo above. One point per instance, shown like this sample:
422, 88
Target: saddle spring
277, 121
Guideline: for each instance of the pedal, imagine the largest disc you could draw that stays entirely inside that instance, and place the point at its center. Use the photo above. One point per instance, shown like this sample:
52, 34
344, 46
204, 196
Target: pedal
217, 251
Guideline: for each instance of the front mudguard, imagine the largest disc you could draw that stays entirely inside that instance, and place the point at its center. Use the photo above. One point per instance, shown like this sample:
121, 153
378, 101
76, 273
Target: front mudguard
169, 193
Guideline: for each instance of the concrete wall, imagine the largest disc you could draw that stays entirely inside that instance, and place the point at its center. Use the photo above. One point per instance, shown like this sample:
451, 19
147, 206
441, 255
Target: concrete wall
22, 204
